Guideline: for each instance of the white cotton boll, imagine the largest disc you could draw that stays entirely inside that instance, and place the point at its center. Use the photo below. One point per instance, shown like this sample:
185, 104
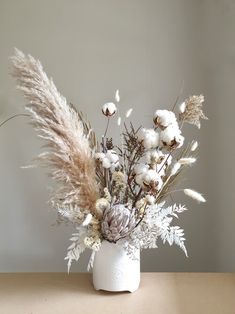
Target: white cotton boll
99, 156
154, 156
139, 172
175, 168
141, 134
171, 137
164, 118
151, 176
109, 109
114, 166
149, 138
195, 195
117, 95
112, 156
129, 112
187, 161
151, 141
106, 163
150, 199
182, 107
139, 179
168, 134
87, 220
179, 141
194, 146
140, 169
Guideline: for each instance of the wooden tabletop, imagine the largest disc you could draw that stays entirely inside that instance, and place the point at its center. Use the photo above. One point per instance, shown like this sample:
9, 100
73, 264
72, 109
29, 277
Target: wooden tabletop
159, 293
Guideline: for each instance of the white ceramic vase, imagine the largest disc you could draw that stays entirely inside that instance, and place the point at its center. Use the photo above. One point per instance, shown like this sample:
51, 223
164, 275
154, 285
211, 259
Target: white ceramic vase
114, 270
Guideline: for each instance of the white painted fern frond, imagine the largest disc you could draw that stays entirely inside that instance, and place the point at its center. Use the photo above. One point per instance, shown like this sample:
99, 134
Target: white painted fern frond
174, 235
76, 248
91, 261
172, 210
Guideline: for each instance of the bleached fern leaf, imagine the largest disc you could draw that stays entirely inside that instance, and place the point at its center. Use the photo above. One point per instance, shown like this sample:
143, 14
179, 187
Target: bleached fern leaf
171, 210
77, 247
175, 235
91, 261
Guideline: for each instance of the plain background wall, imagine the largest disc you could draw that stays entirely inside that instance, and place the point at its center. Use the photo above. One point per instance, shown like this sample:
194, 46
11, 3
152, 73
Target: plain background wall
146, 49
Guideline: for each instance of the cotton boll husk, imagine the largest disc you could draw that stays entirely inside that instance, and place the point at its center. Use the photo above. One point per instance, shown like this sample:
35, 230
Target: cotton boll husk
164, 118
109, 109
195, 195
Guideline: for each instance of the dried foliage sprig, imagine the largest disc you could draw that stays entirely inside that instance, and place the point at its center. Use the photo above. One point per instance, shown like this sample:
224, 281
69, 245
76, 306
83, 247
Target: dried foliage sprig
191, 110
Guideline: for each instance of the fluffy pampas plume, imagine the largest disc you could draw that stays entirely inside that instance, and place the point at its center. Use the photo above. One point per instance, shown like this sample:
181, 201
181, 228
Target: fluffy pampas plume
69, 152
195, 195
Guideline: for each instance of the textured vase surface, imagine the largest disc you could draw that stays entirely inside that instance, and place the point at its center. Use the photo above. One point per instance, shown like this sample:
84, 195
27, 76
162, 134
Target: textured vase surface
114, 270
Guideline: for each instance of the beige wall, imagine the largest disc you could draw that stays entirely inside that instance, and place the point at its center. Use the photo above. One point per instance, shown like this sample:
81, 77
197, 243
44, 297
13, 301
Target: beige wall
146, 49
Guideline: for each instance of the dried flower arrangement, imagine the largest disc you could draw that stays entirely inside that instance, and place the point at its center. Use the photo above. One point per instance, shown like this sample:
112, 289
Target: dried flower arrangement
109, 192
